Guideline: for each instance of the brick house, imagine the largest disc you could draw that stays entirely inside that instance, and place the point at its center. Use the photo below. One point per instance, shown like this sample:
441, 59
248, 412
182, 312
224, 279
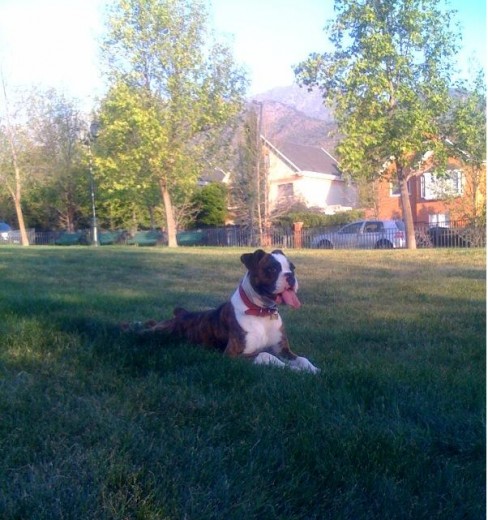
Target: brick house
434, 200
306, 174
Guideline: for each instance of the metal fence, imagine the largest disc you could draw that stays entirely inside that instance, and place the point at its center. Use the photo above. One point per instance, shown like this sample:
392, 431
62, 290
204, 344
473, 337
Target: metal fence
454, 234
459, 234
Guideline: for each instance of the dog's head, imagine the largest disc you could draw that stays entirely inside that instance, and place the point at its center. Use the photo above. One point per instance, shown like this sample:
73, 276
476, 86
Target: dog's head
272, 276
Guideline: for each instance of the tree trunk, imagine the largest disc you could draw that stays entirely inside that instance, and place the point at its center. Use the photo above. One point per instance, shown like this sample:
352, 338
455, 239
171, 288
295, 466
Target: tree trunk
170, 218
20, 218
16, 196
15, 191
407, 210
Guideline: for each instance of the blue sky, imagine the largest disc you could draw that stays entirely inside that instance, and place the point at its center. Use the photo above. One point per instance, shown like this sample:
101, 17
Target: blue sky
54, 42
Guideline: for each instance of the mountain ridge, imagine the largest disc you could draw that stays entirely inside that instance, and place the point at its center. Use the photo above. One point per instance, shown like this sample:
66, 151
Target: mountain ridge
296, 115
311, 103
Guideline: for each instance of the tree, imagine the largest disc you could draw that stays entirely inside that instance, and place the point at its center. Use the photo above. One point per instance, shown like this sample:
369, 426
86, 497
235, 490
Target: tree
60, 176
12, 173
388, 82
175, 86
42, 160
468, 136
129, 138
244, 185
211, 205
250, 186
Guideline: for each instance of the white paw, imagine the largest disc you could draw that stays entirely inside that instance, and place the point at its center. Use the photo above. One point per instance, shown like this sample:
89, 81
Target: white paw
264, 358
301, 363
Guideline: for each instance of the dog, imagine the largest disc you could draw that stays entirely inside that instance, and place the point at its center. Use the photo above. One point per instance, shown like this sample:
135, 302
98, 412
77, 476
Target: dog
249, 324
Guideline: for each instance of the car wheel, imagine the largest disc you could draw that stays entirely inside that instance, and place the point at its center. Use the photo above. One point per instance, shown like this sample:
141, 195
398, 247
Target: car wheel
384, 244
325, 244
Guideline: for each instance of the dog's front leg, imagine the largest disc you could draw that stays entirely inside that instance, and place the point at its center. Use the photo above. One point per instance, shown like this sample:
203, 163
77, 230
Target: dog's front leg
294, 362
235, 346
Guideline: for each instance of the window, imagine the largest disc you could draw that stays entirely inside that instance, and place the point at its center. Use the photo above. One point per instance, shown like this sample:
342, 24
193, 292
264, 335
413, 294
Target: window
457, 181
439, 219
435, 187
285, 191
394, 189
352, 228
373, 227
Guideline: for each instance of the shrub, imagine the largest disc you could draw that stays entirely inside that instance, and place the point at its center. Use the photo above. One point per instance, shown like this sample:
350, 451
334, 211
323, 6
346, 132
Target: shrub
211, 201
313, 219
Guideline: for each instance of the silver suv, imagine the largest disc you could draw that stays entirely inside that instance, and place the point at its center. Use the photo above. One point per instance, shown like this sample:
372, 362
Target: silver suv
364, 234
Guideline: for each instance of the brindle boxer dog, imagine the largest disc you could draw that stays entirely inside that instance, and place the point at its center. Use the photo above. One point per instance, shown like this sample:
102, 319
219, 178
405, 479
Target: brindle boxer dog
249, 324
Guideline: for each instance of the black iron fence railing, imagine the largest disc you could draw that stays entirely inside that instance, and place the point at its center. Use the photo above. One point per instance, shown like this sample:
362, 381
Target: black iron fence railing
453, 234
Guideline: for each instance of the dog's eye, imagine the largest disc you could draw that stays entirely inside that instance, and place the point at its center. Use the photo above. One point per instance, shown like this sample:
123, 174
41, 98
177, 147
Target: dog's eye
271, 270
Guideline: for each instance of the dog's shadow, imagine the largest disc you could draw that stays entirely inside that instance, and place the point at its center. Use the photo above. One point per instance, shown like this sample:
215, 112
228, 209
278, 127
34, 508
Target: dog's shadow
132, 352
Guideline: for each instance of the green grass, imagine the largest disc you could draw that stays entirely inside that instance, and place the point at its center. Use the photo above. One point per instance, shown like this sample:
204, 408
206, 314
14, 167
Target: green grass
95, 424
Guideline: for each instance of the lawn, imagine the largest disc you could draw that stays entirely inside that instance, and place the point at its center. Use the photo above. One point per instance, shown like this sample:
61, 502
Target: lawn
95, 424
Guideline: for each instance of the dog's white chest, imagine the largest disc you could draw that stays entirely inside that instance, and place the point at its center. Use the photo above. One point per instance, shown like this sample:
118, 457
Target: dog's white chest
261, 332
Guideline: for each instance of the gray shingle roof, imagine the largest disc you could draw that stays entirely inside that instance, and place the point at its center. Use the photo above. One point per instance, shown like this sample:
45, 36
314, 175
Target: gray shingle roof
307, 158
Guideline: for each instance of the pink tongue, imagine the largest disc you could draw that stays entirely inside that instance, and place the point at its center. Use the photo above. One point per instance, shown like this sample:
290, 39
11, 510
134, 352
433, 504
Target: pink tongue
290, 298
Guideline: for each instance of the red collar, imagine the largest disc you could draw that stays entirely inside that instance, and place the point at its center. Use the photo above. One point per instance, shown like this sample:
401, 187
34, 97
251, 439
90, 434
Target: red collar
255, 310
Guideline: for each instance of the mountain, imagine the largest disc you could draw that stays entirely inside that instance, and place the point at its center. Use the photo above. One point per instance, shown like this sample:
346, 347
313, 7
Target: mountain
295, 115
309, 103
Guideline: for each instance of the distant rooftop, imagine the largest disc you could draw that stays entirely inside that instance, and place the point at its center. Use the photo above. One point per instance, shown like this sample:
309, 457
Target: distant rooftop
216, 175
306, 158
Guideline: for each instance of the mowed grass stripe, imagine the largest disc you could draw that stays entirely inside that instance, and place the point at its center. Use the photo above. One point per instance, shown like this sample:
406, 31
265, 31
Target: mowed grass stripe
97, 424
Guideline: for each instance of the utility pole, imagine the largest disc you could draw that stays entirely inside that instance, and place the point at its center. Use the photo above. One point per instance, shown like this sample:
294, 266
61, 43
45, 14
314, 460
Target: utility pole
92, 135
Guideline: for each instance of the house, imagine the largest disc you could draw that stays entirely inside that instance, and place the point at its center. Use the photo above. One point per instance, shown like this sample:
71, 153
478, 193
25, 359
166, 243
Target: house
216, 175
435, 200
306, 174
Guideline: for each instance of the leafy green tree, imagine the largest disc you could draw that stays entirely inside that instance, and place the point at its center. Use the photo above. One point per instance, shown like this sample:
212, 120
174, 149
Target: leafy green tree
43, 161
468, 134
58, 197
172, 88
211, 203
250, 186
388, 81
244, 184
127, 187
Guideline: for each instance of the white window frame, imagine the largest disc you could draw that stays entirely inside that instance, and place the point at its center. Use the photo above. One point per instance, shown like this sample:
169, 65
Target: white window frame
438, 188
439, 219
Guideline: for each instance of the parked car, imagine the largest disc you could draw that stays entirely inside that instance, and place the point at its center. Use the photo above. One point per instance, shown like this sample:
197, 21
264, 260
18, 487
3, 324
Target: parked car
364, 234
447, 237
5, 230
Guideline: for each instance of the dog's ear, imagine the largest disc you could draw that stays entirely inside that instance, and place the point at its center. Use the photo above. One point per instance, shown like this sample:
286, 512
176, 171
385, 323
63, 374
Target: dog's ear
278, 252
251, 260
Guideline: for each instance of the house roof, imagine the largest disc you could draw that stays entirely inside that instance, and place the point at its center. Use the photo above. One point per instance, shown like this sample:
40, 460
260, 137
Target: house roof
306, 158
215, 175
